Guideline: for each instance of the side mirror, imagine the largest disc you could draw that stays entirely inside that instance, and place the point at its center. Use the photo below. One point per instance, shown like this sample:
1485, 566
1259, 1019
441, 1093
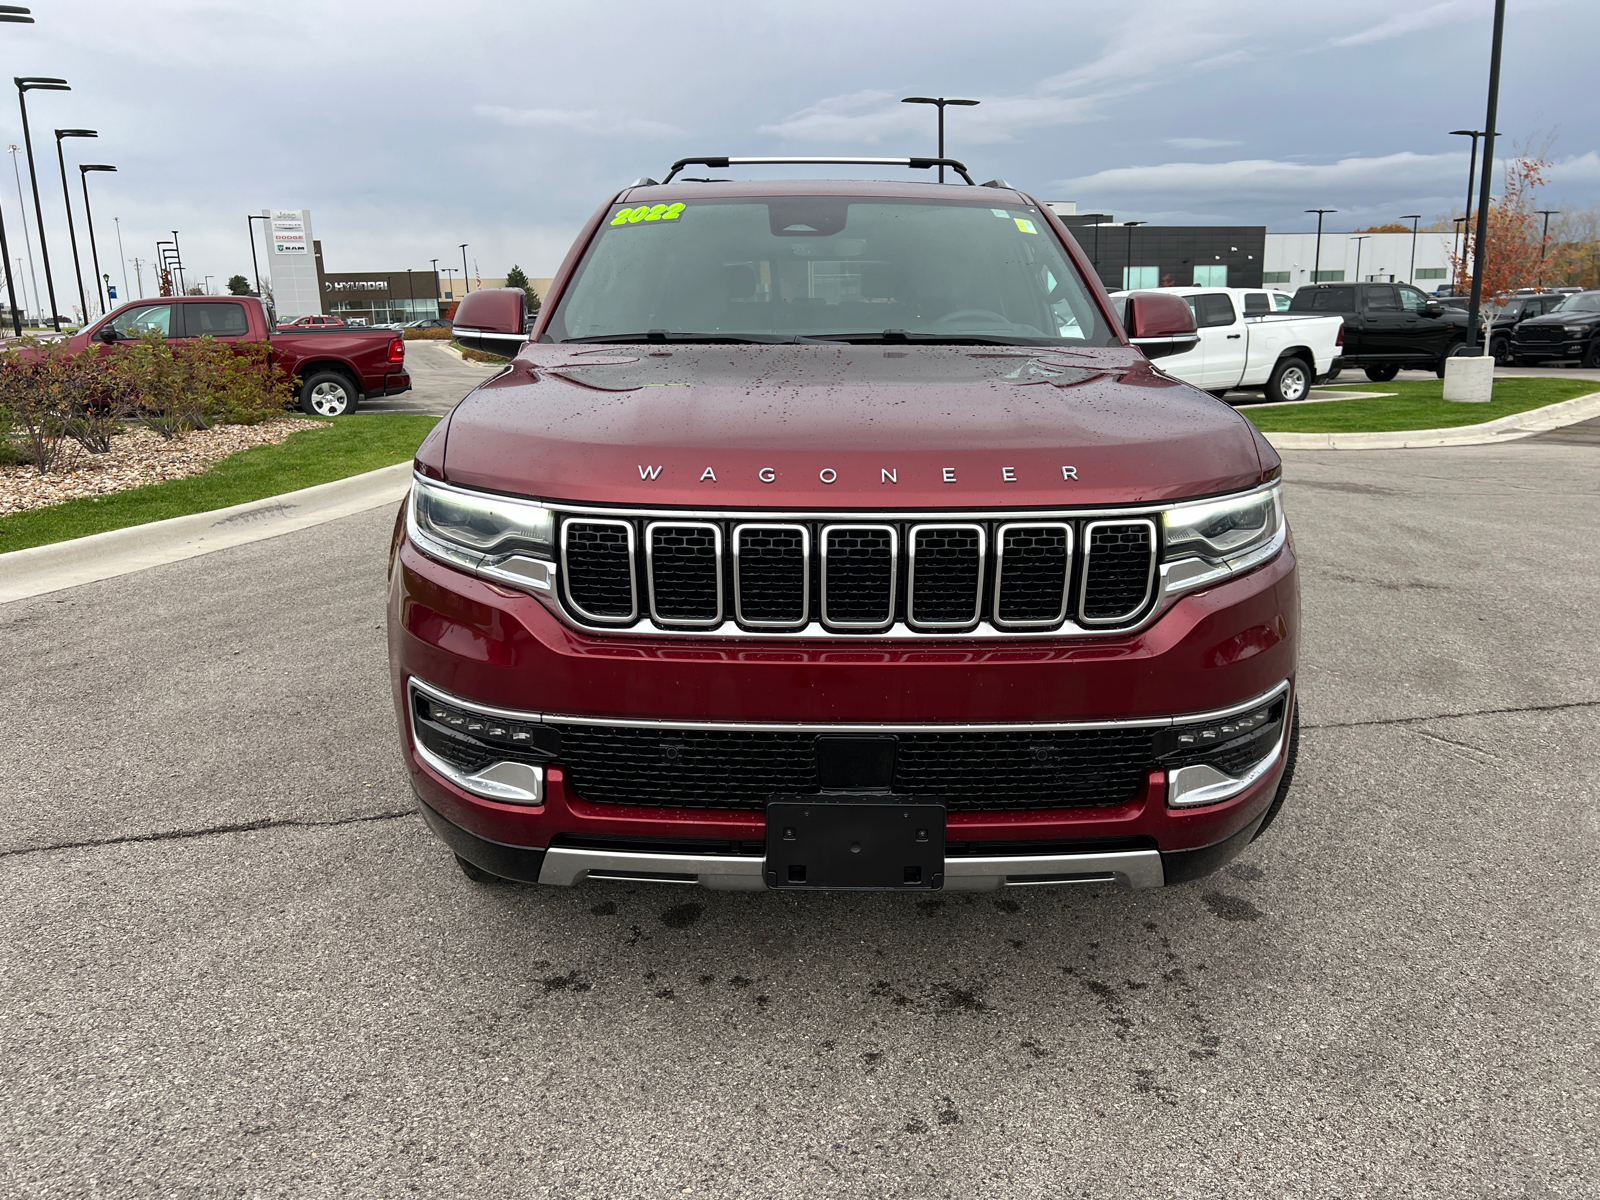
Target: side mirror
1160, 324
107, 334
1432, 309
492, 320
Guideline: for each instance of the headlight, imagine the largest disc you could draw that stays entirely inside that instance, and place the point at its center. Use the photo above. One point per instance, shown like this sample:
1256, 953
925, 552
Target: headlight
495, 536
1213, 539
1575, 330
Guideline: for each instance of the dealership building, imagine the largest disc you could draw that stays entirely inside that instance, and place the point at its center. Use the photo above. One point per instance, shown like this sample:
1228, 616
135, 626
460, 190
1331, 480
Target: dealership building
1129, 255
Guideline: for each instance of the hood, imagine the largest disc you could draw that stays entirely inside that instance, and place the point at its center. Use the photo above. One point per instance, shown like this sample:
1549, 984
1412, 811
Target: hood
1576, 317
800, 426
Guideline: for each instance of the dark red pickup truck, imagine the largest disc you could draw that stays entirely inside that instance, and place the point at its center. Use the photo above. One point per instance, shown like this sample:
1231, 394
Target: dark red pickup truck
336, 367
840, 535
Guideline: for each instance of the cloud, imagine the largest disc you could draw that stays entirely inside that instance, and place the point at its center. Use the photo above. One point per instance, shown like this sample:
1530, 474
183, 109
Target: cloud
1404, 23
1578, 168
1405, 171
1198, 143
590, 121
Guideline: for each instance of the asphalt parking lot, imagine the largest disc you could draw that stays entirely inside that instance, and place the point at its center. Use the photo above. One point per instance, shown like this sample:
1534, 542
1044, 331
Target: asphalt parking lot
237, 964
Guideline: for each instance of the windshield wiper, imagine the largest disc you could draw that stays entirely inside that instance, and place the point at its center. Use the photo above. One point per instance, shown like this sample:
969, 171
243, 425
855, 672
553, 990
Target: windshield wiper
892, 336
708, 339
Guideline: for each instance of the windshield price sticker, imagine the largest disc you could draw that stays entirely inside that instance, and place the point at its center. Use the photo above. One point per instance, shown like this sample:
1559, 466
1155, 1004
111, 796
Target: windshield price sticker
1024, 224
649, 212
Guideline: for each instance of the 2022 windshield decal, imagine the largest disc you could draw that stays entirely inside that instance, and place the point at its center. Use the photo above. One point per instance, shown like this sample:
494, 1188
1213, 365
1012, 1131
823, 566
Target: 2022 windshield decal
649, 212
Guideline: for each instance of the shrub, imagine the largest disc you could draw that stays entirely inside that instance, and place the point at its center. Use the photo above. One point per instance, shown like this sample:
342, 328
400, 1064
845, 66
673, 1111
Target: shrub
168, 400
483, 356
249, 387
431, 335
28, 394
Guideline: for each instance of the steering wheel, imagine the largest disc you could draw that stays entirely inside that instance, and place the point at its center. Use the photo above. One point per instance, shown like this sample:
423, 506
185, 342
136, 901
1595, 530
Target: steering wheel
965, 314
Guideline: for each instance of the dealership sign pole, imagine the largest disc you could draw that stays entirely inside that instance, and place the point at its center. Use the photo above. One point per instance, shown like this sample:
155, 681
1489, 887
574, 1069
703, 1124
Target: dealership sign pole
1480, 238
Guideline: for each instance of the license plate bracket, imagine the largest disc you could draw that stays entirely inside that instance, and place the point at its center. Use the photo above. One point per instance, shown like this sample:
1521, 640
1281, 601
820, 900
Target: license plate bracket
895, 843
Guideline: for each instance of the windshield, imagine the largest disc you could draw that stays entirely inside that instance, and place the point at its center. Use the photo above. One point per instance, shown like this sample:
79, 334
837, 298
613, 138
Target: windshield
781, 267
1583, 302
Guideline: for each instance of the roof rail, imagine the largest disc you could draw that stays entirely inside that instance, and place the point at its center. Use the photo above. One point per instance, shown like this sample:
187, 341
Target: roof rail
916, 164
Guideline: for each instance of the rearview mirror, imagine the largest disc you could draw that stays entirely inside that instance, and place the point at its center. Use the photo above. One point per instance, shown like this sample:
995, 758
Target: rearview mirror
492, 320
1159, 323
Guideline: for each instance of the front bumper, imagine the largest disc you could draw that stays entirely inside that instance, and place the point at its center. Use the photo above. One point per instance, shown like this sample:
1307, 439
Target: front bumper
498, 648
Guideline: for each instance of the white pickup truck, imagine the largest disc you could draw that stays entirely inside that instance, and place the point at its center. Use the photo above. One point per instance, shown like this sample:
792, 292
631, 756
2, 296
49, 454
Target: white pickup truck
1247, 341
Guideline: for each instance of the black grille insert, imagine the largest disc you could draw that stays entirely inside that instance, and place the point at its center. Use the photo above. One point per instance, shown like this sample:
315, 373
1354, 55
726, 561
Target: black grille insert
772, 575
597, 561
946, 588
685, 564
1032, 573
1541, 333
858, 575
1119, 565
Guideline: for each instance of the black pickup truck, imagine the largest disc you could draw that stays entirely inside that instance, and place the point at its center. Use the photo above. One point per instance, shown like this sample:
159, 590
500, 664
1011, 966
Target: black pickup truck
1388, 327
1569, 332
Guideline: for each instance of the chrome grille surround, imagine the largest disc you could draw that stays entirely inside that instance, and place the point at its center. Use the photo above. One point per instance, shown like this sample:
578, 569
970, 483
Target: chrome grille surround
917, 532
653, 532
567, 528
1148, 527
835, 621
1000, 541
737, 543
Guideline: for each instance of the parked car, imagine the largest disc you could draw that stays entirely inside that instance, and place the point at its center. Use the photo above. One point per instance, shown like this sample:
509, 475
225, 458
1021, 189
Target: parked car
1388, 327
336, 368
1571, 333
854, 543
312, 322
429, 323
1506, 317
1246, 344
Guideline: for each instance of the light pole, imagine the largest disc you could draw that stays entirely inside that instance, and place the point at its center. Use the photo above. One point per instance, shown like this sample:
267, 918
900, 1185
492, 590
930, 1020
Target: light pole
250, 227
33, 275
1544, 238
1480, 258
435, 263
1127, 269
11, 14
162, 267
117, 221
1466, 220
1358, 241
1316, 268
26, 84
177, 257
66, 195
1413, 218
449, 277
466, 283
939, 102
88, 219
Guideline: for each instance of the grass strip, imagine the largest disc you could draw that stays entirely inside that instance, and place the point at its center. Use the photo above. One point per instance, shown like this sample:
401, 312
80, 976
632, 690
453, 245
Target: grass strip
1420, 404
320, 454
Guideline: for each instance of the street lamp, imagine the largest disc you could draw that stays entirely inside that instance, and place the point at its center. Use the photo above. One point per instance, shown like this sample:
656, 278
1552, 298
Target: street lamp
162, 265
1544, 238
1358, 241
1316, 268
466, 283
435, 263
1480, 260
1472, 171
11, 14
939, 102
1127, 268
22, 206
66, 195
88, 219
26, 84
250, 227
1413, 218
177, 256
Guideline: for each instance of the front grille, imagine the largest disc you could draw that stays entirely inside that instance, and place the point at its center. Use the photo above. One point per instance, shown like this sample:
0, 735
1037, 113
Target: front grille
1541, 334
858, 577
1119, 567
970, 770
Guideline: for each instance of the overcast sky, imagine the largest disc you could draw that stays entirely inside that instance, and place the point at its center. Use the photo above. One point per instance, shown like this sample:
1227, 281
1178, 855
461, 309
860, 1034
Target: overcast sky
408, 128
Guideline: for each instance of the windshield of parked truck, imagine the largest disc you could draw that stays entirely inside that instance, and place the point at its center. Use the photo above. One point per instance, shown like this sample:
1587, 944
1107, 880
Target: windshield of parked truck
781, 267
1583, 302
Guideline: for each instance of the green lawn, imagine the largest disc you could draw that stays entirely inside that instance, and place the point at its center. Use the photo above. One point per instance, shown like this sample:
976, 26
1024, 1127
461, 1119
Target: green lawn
320, 454
1420, 404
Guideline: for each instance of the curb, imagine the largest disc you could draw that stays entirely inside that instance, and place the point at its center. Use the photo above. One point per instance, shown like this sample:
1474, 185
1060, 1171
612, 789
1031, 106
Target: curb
1503, 429
41, 569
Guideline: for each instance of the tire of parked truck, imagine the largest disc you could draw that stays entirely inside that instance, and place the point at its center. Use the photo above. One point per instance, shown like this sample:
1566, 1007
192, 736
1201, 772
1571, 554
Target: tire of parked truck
1457, 349
1500, 348
1592, 358
1288, 774
328, 394
1290, 381
1383, 373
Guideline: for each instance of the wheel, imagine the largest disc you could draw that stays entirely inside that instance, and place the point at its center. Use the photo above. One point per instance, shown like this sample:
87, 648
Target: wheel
328, 394
1501, 349
1288, 773
1384, 373
1457, 349
1290, 381
1592, 358
478, 875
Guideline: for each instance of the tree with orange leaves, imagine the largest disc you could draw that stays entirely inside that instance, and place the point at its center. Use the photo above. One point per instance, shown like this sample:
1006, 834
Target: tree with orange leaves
1514, 245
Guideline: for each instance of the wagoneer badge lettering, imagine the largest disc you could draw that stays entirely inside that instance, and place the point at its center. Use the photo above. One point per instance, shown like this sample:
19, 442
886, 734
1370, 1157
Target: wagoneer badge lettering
828, 475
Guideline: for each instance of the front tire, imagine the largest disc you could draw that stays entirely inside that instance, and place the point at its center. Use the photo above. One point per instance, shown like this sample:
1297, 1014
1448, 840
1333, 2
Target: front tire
328, 394
1501, 349
1592, 358
1384, 373
1289, 382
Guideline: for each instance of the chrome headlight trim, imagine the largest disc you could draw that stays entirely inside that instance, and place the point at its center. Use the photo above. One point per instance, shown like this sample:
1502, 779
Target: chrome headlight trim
528, 528
1184, 569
